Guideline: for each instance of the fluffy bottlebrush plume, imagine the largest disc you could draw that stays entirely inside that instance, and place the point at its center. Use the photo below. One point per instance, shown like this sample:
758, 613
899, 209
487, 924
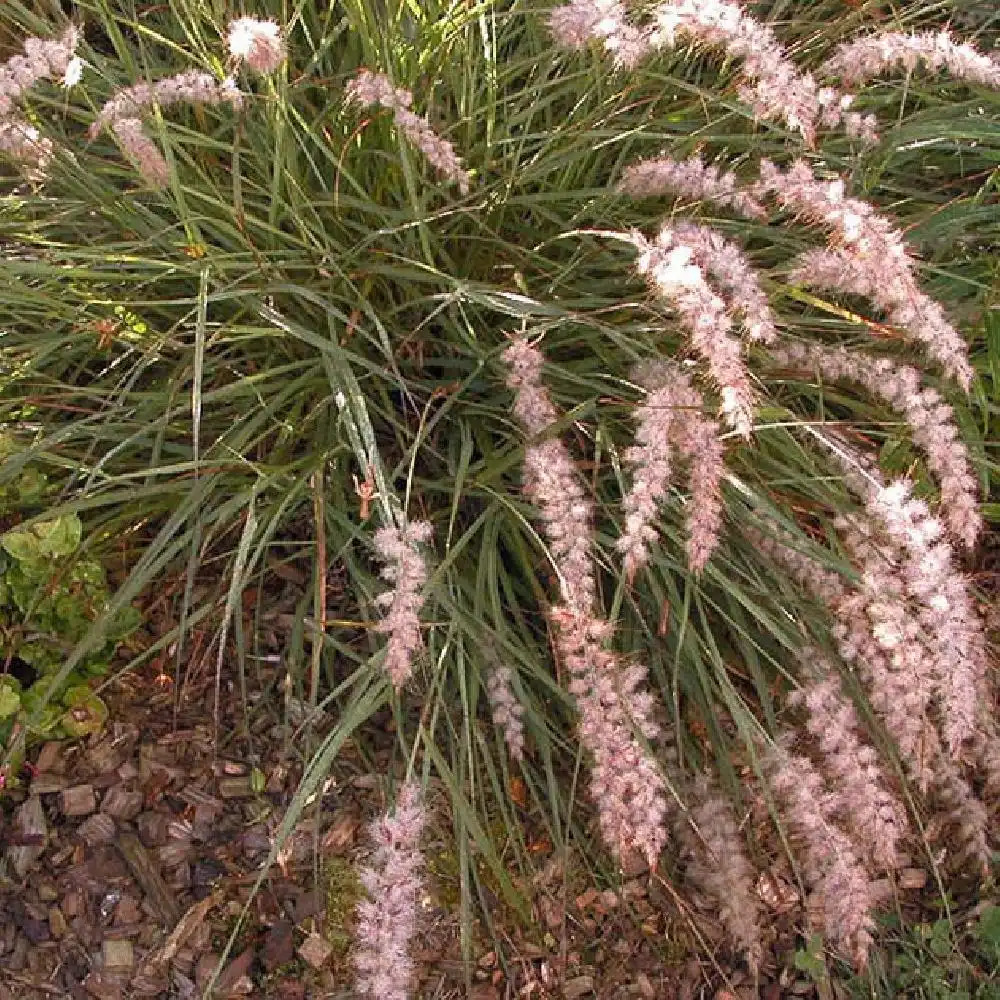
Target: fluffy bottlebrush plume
25, 145
830, 864
868, 257
369, 89
866, 58
717, 863
578, 23
692, 179
406, 570
532, 405
42, 59
626, 784
123, 114
869, 811
668, 265
701, 445
386, 921
190, 87
931, 420
876, 633
258, 43
893, 627
964, 816
985, 748
507, 711
141, 149
551, 480
873, 631
771, 83
731, 272
669, 395
671, 420
552, 483
951, 629
824, 585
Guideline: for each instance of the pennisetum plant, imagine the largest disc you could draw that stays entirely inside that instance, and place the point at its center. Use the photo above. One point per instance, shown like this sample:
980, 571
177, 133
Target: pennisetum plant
626, 349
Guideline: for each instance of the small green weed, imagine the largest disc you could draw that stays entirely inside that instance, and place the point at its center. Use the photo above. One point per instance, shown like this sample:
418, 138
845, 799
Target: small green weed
51, 593
938, 960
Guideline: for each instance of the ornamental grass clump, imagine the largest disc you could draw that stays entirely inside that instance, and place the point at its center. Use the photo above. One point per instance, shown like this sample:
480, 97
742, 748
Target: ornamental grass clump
630, 422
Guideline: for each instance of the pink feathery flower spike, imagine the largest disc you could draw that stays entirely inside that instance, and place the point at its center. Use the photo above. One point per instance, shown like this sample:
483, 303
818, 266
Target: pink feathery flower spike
576, 24
729, 269
861, 796
141, 149
691, 178
652, 467
258, 43
190, 87
718, 864
875, 631
42, 59
869, 257
863, 59
670, 268
369, 89
951, 629
387, 920
831, 866
772, 84
507, 711
671, 420
920, 611
701, 445
931, 420
406, 570
123, 114
552, 481
626, 784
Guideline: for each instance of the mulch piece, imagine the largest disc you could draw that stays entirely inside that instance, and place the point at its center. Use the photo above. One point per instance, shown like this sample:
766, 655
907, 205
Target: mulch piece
127, 859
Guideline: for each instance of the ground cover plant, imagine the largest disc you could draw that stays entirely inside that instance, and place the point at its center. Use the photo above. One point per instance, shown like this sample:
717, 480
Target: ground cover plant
622, 361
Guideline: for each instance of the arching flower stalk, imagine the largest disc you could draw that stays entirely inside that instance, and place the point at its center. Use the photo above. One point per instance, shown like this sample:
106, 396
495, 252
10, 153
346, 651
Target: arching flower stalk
692, 179
369, 89
867, 257
615, 712
845, 897
387, 919
860, 794
863, 59
931, 420
190, 87
670, 268
406, 570
124, 112
771, 84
